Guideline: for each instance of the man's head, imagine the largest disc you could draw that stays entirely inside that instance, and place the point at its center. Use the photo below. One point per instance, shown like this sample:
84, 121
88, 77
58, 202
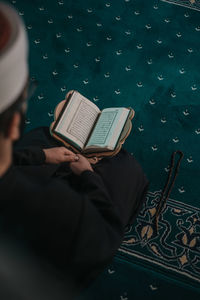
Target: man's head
13, 71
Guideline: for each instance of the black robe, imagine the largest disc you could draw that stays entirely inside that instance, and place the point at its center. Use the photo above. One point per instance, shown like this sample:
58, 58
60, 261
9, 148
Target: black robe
76, 223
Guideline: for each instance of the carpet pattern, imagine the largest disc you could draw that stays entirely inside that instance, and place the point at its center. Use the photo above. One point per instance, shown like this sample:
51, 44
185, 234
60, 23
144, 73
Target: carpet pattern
176, 246
143, 54
193, 4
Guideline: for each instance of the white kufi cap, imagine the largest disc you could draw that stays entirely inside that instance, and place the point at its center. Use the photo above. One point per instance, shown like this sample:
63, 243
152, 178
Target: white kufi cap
13, 57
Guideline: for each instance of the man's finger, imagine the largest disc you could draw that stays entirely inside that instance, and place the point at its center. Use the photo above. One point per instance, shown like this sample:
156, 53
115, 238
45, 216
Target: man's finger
67, 152
70, 157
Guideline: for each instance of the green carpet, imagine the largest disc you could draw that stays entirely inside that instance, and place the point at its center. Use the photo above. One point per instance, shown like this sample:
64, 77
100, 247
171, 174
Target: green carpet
143, 54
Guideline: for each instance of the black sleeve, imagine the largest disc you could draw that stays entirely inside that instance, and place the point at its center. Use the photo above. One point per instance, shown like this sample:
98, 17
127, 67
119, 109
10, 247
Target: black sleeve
31, 155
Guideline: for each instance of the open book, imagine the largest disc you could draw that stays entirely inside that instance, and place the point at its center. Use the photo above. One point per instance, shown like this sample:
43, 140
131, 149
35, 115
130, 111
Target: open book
80, 125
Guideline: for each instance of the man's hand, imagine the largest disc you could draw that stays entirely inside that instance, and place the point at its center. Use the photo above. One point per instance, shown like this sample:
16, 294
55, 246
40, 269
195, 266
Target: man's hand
58, 155
82, 164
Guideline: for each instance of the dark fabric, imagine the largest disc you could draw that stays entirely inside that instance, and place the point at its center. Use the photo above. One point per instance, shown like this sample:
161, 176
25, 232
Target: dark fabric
75, 222
122, 175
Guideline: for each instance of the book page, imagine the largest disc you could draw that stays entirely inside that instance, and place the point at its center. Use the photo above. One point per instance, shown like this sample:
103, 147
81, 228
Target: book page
108, 128
78, 119
116, 131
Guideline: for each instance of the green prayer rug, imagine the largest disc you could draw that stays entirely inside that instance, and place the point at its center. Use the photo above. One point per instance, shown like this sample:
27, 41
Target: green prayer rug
143, 54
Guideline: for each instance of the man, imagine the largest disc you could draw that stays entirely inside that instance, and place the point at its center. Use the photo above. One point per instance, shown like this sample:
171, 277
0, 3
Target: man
71, 214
